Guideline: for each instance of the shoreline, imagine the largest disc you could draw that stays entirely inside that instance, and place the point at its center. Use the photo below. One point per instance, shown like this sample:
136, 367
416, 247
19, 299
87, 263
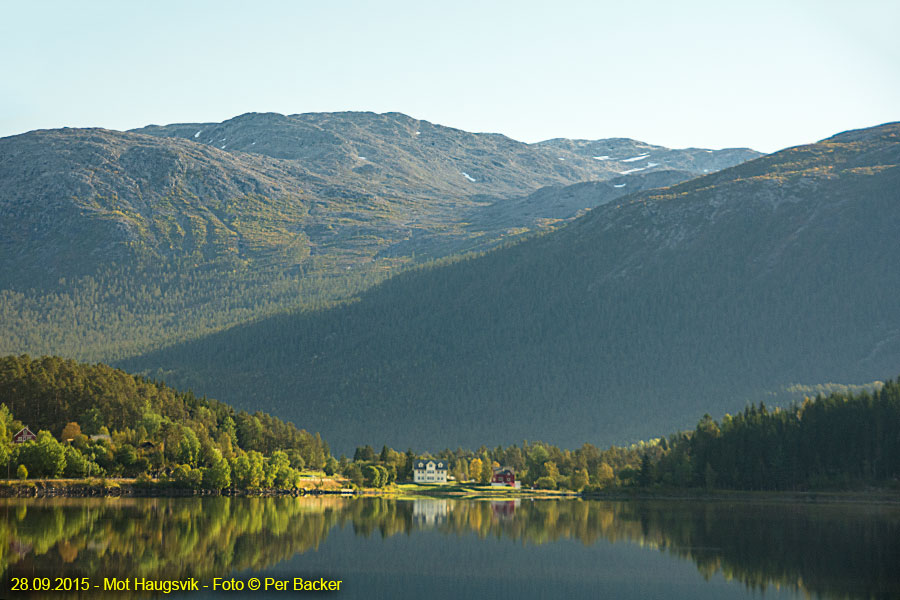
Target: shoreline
70, 488
112, 488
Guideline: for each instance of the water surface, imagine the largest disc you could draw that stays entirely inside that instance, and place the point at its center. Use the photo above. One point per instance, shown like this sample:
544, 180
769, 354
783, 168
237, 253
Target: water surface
442, 548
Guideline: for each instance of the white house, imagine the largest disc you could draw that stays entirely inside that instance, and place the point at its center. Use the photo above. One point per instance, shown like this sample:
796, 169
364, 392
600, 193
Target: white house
430, 470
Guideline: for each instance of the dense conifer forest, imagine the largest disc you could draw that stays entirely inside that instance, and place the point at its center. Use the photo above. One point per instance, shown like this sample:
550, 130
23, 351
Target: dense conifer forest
122, 310
847, 440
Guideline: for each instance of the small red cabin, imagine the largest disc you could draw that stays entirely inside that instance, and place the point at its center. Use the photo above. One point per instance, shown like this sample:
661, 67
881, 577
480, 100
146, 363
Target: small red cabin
504, 476
24, 435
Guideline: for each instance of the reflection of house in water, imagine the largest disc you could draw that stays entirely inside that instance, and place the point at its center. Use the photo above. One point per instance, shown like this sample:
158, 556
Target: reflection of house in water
430, 512
19, 548
504, 509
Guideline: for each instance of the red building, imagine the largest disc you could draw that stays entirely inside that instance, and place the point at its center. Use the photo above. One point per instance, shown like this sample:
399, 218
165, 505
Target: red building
504, 476
25, 435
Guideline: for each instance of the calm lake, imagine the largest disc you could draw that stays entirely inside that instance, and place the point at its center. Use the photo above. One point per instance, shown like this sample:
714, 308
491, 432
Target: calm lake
440, 548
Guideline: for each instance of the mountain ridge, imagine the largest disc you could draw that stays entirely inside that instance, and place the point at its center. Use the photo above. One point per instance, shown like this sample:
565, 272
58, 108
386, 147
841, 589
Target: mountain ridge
103, 230
650, 307
346, 136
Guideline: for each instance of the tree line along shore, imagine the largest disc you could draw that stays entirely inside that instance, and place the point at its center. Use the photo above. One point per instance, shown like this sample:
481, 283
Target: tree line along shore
102, 425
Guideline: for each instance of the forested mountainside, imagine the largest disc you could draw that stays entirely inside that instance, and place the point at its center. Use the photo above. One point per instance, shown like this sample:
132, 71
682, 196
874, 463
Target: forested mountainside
112, 243
93, 420
654, 307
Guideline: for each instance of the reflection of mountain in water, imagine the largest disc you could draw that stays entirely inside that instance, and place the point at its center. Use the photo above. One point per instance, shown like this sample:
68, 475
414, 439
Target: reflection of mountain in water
831, 551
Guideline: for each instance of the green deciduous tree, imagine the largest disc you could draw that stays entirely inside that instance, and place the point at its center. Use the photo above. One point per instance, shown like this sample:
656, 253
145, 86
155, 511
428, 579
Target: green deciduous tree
487, 471
579, 480
187, 476
372, 475
278, 470
545, 483
77, 465
550, 470
5, 434
605, 475
218, 475
43, 457
354, 474
475, 467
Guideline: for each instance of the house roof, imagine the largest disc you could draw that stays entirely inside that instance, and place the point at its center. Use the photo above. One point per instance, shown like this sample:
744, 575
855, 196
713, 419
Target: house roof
24, 435
439, 463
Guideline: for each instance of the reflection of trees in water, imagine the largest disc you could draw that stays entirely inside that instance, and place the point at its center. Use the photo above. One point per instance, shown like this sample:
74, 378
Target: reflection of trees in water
157, 538
832, 551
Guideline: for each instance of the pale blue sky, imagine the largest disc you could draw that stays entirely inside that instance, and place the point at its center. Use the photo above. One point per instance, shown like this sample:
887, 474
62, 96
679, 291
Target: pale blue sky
678, 73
